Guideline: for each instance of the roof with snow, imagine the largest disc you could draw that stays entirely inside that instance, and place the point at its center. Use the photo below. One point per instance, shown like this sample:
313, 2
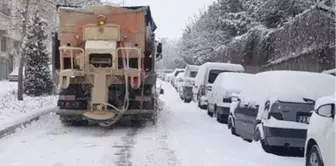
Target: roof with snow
288, 85
224, 66
192, 67
148, 17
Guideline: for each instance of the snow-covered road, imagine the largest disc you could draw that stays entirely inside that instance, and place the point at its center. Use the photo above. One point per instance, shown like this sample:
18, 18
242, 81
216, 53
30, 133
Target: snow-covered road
184, 136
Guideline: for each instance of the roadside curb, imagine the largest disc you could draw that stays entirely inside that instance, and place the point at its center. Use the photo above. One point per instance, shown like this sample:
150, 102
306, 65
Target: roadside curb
22, 122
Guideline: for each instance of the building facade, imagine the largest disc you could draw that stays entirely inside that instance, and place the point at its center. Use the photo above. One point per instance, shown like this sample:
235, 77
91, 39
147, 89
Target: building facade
10, 37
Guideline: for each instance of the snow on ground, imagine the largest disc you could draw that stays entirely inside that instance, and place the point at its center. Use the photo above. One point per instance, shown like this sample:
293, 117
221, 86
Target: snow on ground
184, 136
48, 143
200, 140
11, 110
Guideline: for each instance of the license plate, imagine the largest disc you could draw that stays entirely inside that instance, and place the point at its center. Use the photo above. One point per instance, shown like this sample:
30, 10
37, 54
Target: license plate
304, 119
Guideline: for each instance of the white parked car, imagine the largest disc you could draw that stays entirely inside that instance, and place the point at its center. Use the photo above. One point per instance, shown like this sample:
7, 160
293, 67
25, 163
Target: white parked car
188, 82
206, 75
219, 96
174, 74
275, 107
320, 143
178, 81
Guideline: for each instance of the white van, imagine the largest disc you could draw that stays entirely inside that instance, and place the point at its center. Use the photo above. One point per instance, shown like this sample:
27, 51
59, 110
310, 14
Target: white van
207, 74
175, 73
187, 84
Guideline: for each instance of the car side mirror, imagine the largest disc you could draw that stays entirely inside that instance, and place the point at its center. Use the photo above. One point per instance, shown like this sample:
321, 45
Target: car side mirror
161, 91
159, 48
327, 110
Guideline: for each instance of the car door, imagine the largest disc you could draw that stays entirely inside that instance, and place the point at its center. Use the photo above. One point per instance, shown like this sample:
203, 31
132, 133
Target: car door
331, 146
324, 125
251, 116
240, 121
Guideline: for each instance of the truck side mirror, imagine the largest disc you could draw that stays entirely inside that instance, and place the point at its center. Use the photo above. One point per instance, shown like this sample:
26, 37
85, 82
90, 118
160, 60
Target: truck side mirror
159, 48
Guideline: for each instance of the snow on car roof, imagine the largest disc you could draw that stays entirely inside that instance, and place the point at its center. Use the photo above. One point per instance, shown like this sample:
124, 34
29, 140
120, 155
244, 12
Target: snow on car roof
287, 85
180, 75
233, 81
192, 67
224, 66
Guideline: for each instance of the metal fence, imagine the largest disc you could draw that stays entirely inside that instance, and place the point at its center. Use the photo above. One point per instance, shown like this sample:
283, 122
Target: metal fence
4, 68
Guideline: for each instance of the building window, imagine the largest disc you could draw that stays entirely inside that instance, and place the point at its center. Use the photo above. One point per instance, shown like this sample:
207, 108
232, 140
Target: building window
5, 8
3, 44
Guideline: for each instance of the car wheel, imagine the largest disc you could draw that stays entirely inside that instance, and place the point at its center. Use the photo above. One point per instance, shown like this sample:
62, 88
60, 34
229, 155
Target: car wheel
233, 129
314, 158
229, 124
257, 135
219, 118
267, 148
209, 113
187, 100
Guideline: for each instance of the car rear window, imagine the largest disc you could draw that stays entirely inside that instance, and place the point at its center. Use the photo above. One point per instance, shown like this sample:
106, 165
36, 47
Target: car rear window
213, 75
193, 74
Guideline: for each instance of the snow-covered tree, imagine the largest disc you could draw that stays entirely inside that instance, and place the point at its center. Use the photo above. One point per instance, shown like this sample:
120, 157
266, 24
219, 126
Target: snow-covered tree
38, 79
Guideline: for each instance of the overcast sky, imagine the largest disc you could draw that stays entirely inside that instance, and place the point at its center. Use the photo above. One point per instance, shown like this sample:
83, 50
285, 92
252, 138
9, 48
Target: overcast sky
171, 16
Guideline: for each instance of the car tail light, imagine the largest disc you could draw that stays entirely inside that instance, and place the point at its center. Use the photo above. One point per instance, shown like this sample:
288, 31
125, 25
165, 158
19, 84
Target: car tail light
276, 115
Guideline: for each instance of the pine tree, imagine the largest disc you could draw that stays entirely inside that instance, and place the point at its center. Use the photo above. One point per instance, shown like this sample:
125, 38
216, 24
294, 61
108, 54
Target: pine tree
38, 79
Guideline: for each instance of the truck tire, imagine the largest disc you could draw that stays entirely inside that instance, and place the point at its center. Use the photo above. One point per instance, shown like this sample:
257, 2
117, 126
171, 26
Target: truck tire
186, 100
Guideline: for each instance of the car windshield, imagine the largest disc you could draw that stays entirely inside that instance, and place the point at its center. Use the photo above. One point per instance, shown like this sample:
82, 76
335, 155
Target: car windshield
177, 72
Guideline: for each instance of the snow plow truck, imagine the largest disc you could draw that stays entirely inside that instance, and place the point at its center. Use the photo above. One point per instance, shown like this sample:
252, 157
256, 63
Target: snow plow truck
104, 57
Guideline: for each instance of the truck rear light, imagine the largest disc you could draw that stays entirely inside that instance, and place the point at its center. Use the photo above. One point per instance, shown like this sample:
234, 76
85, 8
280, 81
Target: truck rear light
276, 115
67, 97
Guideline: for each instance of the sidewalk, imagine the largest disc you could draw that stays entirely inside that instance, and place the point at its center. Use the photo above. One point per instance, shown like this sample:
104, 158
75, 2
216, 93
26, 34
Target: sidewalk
13, 112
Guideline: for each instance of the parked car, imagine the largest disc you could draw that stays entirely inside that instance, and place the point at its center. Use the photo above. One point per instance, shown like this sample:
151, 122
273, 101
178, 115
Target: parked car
185, 91
219, 96
206, 75
178, 81
320, 142
276, 107
174, 74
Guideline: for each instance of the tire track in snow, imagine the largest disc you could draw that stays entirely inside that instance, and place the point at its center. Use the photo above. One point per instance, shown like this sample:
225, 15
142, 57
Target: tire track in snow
125, 149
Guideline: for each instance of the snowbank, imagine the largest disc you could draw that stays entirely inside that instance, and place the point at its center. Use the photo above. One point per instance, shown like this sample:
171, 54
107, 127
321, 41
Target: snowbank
12, 110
